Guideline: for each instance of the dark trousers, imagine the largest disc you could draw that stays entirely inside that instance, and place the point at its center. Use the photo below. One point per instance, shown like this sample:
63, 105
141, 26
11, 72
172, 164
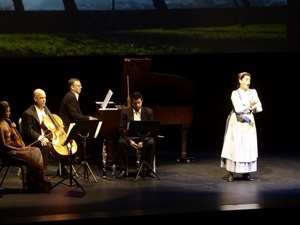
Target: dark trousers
147, 151
45, 150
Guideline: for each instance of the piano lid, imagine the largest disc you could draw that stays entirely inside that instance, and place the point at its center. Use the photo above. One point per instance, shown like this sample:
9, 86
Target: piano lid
156, 88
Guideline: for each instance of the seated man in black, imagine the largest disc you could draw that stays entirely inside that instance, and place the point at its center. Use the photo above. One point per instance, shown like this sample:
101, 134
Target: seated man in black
34, 131
32, 128
136, 112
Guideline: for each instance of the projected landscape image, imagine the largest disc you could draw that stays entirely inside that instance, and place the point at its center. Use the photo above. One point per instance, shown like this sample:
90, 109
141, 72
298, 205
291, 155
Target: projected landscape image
145, 27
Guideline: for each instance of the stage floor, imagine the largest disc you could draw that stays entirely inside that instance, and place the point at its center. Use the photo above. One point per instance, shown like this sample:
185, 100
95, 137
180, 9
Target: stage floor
185, 190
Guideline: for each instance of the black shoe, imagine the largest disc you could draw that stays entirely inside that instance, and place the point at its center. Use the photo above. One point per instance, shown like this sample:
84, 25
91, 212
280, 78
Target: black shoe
150, 174
48, 177
247, 176
230, 177
64, 172
121, 174
77, 160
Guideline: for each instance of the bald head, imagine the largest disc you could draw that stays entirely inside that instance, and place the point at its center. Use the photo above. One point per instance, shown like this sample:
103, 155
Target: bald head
39, 97
38, 92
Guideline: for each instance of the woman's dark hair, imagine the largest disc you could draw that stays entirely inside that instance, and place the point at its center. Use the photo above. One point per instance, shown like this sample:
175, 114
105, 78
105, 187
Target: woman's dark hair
3, 106
240, 76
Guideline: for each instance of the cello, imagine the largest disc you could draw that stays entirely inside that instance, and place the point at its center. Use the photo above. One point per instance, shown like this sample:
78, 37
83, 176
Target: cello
55, 124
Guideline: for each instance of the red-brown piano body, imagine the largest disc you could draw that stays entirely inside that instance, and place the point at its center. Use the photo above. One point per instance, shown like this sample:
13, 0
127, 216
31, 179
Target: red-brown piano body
170, 97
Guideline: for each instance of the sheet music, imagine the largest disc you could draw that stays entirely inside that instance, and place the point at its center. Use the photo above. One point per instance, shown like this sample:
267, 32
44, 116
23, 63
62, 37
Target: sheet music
106, 100
98, 129
96, 132
70, 128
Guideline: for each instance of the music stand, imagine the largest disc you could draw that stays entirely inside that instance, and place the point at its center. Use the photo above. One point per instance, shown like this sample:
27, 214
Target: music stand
143, 129
86, 129
69, 143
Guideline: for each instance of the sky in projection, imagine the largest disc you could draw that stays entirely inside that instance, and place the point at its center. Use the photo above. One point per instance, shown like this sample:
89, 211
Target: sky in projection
134, 4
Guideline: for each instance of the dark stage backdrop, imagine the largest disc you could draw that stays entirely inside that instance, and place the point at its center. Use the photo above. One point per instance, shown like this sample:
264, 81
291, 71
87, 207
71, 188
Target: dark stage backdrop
214, 77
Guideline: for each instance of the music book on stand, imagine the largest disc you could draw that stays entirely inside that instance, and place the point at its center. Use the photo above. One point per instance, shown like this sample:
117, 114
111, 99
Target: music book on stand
107, 104
91, 127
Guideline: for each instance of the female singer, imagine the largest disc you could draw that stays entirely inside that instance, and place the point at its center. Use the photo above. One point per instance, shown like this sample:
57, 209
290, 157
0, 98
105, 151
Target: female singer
240, 150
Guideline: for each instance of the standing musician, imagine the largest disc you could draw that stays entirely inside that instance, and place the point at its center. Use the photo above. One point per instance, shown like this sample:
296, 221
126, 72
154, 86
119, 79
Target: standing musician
34, 130
70, 111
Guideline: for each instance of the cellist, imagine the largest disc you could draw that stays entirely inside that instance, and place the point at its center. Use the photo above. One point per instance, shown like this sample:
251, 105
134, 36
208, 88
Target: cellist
33, 129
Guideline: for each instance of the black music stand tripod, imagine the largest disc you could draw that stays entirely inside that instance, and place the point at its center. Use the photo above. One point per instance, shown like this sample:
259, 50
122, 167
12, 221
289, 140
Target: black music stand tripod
143, 130
70, 175
144, 164
85, 130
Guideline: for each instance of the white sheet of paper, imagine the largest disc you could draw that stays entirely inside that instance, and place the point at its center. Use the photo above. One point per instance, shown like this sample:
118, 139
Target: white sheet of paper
70, 128
106, 100
98, 129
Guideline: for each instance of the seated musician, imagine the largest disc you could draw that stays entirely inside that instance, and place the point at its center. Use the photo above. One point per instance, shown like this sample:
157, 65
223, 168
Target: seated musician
33, 129
12, 147
135, 112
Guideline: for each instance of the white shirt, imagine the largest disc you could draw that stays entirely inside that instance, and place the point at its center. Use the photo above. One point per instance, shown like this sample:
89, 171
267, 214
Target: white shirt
137, 115
41, 114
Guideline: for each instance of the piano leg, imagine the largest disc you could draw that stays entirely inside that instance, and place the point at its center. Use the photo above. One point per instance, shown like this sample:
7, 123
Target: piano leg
184, 158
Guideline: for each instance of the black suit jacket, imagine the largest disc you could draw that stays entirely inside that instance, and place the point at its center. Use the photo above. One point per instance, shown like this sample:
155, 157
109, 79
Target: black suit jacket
31, 128
127, 116
124, 144
70, 111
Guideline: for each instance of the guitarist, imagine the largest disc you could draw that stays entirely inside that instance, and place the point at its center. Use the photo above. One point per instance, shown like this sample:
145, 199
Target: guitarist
33, 130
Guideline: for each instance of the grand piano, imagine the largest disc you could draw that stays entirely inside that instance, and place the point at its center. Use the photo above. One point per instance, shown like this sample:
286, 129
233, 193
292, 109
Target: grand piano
170, 97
